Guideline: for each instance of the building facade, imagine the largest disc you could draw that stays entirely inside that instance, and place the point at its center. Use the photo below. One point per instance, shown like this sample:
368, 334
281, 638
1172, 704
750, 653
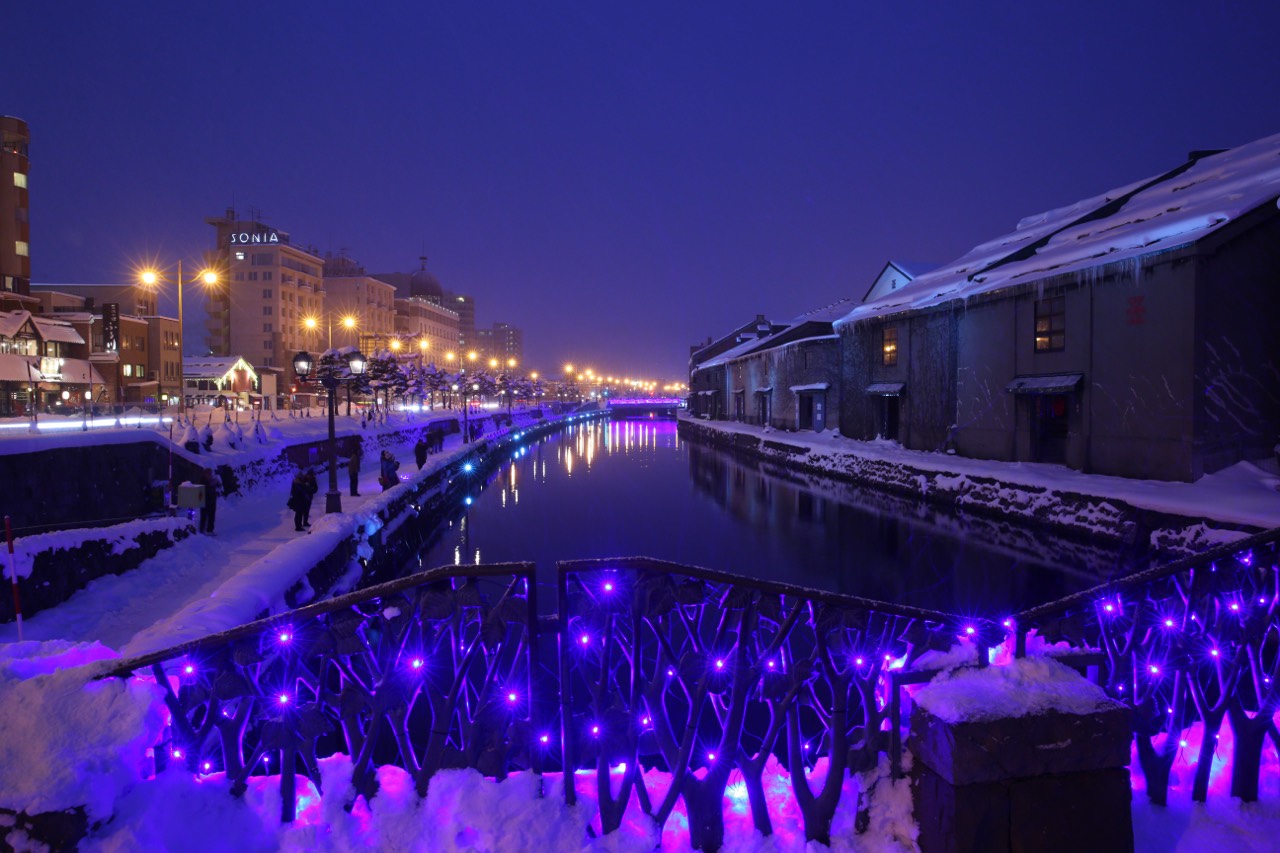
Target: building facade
502, 342
15, 226
369, 303
1127, 334
418, 320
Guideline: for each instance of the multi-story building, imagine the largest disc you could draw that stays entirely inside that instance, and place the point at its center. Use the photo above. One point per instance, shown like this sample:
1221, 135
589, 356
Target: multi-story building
368, 302
136, 349
503, 342
271, 288
15, 228
419, 320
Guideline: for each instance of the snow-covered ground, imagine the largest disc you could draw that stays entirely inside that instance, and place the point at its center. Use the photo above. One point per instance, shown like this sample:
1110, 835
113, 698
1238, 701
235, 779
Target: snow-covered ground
1244, 493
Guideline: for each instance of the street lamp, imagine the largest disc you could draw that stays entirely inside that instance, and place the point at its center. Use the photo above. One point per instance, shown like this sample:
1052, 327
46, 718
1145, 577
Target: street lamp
330, 378
151, 278
460, 386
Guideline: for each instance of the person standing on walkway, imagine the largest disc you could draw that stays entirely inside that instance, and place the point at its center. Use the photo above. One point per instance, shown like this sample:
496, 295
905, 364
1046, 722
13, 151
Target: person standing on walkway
420, 452
312, 488
210, 509
353, 467
389, 466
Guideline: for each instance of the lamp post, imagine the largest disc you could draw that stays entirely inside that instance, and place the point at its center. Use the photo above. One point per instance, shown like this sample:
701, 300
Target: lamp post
329, 378
151, 278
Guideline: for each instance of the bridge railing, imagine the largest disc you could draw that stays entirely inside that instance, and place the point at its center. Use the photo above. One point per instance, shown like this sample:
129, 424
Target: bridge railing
428, 672
1186, 646
705, 674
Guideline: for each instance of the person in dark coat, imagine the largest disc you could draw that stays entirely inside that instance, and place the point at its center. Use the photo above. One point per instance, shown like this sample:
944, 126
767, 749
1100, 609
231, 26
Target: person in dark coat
389, 466
420, 452
210, 510
301, 491
353, 469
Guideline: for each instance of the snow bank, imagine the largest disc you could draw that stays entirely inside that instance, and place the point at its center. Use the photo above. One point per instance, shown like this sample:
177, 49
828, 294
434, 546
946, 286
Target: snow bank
66, 741
1020, 688
119, 537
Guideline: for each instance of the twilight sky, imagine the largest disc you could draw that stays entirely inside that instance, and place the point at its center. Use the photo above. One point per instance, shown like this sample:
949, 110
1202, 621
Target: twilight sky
619, 179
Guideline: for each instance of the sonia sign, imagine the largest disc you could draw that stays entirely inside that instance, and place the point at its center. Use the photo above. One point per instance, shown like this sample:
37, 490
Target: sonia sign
244, 238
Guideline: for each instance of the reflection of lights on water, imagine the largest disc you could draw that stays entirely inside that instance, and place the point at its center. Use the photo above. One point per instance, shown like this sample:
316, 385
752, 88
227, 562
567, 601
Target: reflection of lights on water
457, 555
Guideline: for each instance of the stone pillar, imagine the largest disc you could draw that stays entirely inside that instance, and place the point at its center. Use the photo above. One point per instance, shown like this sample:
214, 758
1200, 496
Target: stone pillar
1047, 781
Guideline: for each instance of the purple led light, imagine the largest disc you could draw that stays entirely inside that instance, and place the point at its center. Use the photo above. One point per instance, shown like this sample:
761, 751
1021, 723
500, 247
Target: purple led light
969, 629
595, 731
720, 664
608, 587
858, 661
585, 639
644, 721
1235, 606
1109, 607
1155, 670
416, 663
670, 672
1168, 623
1182, 743
544, 739
177, 753
511, 697
770, 664
283, 699
285, 636
1213, 652
206, 766
1008, 623
189, 669
711, 756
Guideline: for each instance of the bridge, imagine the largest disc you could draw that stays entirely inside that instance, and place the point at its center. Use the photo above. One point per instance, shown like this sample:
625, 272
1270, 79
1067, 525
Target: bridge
644, 407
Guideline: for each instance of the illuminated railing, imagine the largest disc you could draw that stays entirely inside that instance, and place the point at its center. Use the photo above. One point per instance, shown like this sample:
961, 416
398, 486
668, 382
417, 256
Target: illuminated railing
702, 674
1185, 646
427, 672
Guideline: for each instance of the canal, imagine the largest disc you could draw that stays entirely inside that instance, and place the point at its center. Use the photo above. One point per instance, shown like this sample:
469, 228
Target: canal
636, 488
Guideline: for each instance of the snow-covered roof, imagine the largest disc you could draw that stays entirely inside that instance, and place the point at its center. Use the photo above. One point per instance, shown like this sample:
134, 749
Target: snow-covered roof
812, 386
16, 368
741, 349
12, 321
826, 314
53, 330
1163, 212
214, 368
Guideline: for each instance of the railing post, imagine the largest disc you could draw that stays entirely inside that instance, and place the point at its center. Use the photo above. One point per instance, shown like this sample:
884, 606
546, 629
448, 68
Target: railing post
562, 650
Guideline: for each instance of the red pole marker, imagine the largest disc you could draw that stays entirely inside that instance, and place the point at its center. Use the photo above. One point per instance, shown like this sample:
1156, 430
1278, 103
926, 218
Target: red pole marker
13, 575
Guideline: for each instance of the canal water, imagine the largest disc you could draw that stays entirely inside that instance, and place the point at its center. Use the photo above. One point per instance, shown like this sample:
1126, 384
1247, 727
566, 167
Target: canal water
636, 488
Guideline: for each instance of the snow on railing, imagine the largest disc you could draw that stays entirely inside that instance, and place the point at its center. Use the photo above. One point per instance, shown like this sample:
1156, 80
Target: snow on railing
1185, 646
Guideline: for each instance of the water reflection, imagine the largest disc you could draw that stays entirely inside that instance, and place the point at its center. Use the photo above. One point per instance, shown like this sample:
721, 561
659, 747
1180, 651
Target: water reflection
633, 487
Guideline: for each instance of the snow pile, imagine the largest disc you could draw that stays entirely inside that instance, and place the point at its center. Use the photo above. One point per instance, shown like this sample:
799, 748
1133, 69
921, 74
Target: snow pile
1020, 688
66, 741
464, 811
121, 538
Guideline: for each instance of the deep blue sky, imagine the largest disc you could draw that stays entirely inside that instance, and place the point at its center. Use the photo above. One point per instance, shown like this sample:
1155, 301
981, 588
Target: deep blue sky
619, 179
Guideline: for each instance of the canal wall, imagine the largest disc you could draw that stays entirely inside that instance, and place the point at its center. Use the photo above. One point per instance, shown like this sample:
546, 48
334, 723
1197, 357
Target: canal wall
1073, 514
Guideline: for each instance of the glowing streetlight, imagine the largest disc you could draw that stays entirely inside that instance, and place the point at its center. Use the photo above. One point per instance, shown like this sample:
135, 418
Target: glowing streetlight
152, 278
472, 356
493, 364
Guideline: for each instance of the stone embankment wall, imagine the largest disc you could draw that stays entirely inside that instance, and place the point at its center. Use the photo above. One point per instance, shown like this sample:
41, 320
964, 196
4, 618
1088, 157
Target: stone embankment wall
1072, 514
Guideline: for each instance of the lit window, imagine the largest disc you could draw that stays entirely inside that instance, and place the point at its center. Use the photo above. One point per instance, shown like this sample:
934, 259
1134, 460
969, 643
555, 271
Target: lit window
239, 256
889, 345
1051, 324
128, 370
21, 247
20, 180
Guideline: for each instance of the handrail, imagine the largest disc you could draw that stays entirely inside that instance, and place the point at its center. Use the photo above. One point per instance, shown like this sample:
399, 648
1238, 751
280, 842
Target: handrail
127, 666
1147, 576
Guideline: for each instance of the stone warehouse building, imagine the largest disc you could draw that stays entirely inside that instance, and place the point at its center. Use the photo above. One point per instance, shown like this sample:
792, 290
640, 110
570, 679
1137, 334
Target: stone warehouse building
1132, 333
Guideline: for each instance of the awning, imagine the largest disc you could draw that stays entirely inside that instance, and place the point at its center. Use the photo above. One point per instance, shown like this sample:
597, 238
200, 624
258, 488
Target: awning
705, 393
886, 389
1053, 383
816, 386
62, 332
16, 368
768, 390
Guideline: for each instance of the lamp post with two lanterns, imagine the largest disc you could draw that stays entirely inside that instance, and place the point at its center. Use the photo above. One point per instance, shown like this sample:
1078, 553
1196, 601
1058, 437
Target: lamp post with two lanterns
461, 387
330, 378
151, 278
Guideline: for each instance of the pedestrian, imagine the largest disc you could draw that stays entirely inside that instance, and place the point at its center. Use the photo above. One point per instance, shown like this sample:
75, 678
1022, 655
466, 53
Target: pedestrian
210, 509
353, 468
389, 467
312, 488
301, 491
420, 452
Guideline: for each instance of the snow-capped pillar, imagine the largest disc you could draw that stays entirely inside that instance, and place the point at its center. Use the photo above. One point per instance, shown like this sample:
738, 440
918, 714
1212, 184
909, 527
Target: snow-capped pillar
1026, 756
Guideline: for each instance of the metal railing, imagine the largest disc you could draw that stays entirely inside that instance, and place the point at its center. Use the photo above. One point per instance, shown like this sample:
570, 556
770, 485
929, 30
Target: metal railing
428, 672
1186, 646
702, 673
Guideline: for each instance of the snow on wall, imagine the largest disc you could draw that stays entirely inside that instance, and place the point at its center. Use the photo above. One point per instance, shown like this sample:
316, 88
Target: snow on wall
120, 538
